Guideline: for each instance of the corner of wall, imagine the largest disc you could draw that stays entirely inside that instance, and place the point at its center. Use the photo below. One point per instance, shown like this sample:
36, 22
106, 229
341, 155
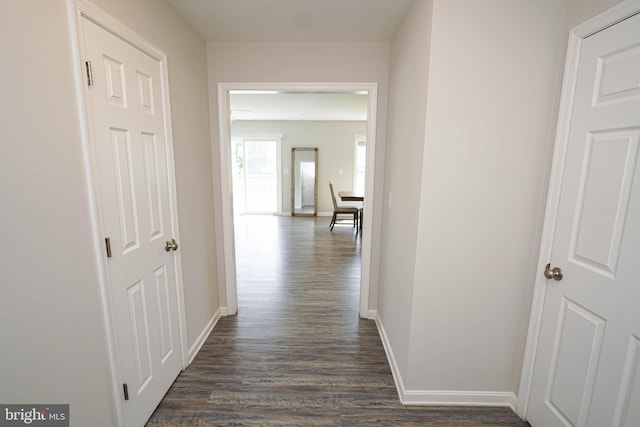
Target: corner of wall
395, 369
204, 334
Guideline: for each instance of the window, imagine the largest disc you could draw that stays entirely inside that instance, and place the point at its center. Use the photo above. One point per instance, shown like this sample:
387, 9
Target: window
256, 174
360, 162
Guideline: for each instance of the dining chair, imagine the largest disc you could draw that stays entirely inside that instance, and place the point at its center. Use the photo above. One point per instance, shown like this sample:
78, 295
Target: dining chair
342, 210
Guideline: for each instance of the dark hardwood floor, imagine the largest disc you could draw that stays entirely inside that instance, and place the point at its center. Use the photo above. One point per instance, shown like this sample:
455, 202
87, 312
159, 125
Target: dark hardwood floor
297, 353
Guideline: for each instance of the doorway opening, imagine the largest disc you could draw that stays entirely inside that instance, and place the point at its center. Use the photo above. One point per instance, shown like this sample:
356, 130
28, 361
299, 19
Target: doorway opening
226, 118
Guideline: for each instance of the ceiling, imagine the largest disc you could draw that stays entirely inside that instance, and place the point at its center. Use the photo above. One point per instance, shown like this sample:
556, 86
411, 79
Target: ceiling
298, 106
294, 21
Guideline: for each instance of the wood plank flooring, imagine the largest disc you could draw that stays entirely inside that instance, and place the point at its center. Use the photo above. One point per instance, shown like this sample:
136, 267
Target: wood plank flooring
297, 353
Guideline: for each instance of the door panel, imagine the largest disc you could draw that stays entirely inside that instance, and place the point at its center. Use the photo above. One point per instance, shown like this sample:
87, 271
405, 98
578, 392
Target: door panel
131, 159
153, 185
575, 360
618, 75
603, 198
164, 314
145, 92
115, 82
126, 201
140, 333
628, 411
586, 369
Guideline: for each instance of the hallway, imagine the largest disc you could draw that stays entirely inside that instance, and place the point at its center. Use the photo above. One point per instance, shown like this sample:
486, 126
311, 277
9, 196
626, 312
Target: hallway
297, 353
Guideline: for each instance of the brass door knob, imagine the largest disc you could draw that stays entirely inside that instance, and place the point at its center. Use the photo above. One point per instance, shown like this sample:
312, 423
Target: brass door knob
555, 273
168, 245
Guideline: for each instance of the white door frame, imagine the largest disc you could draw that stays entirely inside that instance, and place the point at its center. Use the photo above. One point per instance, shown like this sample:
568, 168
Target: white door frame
78, 10
224, 130
576, 37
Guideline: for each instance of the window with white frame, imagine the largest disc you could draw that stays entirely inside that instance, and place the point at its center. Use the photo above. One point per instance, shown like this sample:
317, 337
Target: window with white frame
256, 173
360, 162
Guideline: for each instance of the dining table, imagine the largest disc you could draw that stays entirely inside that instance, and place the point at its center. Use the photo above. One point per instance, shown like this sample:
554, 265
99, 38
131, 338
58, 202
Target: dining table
350, 196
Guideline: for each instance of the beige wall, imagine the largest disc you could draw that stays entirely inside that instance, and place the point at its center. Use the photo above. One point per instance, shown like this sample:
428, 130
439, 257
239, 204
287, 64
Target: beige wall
408, 78
579, 11
53, 347
335, 143
51, 324
308, 63
490, 127
455, 298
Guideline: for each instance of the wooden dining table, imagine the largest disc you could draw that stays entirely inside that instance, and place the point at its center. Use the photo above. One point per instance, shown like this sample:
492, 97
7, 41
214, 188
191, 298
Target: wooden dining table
350, 196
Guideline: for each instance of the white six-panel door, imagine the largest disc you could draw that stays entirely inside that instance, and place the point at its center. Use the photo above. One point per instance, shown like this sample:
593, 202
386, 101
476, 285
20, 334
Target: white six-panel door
128, 128
587, 370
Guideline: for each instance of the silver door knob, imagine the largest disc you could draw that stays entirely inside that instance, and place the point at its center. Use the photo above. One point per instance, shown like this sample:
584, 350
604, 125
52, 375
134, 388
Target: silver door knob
555, 273
172, 244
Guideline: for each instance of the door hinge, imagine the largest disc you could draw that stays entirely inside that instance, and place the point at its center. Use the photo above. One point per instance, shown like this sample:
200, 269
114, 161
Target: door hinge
89, 73
107, 243
125, 387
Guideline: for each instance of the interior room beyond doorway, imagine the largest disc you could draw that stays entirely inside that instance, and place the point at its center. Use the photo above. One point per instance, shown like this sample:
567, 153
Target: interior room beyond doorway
322, 113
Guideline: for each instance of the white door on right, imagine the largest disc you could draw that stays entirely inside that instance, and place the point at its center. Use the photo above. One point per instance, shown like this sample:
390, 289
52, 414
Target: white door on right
587, 370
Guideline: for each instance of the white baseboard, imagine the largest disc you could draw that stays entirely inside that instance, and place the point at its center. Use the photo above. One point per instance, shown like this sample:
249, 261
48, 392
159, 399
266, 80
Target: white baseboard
372, 315
197, 345
395, 371
458, 398
441, 397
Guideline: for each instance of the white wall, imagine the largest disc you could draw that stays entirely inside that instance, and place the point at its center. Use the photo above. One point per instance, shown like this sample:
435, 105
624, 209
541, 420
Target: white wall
52, 350
335, 143
51, 326
490, 126
493, 69
579, 11
309, 63
408, 77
